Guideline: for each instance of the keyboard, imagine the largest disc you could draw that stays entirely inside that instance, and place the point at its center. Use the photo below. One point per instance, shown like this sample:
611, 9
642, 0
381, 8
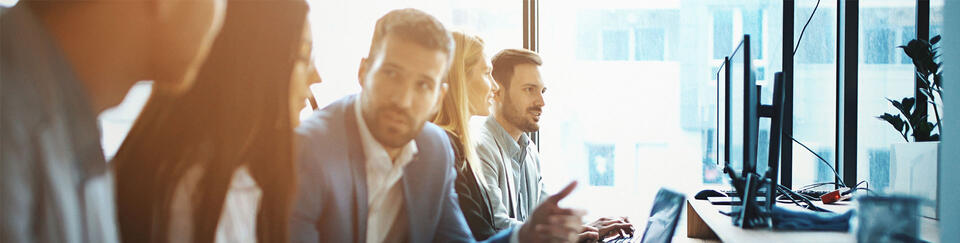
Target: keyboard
620, 239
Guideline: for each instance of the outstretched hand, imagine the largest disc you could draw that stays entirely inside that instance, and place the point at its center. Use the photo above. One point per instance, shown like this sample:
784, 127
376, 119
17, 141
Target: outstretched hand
551, 223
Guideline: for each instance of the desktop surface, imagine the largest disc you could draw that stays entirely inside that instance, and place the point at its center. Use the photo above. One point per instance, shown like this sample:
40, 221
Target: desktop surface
704, 221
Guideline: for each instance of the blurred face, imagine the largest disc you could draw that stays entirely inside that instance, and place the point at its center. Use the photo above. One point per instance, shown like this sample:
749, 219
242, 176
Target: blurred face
113, 44
401, 88
480, 88
304, 74
183, 34
522, 103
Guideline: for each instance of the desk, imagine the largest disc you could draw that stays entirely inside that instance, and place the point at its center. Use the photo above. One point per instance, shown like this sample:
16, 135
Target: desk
704, 221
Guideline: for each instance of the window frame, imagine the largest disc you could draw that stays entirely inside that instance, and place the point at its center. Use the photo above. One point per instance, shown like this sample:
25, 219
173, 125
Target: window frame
846, 80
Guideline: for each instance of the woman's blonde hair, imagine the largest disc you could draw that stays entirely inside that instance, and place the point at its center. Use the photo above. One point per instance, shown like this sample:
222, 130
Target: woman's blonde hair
454, 115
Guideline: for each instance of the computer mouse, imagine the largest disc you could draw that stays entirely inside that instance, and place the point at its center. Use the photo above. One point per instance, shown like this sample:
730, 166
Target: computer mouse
703, 195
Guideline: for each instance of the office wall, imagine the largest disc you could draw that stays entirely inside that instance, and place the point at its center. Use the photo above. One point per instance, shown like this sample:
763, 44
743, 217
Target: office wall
950, 155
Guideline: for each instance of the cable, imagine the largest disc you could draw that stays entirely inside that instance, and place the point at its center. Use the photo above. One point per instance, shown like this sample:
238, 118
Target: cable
805, 27
839, 179
788, 196
810, 204
865, 188
815, 185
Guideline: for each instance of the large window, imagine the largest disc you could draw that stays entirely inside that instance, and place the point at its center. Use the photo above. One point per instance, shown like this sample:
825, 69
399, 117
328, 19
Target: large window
342, 32
884, 72
815, 92
631, 101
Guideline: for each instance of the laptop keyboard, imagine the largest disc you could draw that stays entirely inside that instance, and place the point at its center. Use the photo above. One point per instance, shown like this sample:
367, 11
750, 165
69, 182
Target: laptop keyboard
620, 239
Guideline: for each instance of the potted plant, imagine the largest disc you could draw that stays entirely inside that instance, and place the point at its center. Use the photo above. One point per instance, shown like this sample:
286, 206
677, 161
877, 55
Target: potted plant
913, 164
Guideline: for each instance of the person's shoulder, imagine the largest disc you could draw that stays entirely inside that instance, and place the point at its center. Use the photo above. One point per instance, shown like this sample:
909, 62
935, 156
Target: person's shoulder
323, 135
483, 135
434, 142
324, 121
486, 143
432, 137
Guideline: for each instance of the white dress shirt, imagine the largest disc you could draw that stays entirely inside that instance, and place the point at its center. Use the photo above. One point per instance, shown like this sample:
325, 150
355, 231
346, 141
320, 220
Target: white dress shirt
238, 221
238, 218
385, 200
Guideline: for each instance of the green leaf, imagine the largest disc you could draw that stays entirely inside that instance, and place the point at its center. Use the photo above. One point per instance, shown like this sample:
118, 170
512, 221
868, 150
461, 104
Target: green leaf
898, 123
896, 104
906, 104
934, 40
894, 121
921, 132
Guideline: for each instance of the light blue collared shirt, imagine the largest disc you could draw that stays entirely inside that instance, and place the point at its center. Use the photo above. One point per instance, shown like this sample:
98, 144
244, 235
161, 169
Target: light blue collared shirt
512, 172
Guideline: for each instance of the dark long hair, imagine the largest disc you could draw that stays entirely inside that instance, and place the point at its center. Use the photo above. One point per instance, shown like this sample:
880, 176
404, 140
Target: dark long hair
237, 113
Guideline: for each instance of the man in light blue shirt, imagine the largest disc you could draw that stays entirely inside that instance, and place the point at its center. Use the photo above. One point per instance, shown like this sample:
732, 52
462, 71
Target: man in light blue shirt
511, 161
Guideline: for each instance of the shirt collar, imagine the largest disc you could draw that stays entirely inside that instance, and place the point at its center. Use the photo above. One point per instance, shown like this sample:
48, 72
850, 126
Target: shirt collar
374, 151
499, 134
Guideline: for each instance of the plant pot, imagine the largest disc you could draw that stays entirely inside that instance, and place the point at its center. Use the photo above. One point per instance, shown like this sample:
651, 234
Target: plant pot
913, 171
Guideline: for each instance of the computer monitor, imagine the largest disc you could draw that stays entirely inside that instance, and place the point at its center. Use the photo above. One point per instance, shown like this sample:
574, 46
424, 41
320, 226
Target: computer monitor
751, 101
754, 213
774, 111
723, 109
743, 102
740, 115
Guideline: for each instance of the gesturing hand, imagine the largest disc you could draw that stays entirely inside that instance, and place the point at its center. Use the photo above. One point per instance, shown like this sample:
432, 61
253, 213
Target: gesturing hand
551, 223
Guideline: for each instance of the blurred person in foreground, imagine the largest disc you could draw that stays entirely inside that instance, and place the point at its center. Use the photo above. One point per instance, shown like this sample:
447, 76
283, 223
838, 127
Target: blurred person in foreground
215, 164
372, 169
63, 63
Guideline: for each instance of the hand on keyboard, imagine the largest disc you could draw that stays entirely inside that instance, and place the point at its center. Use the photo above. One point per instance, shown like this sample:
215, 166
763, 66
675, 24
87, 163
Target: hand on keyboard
613, 226
589, 235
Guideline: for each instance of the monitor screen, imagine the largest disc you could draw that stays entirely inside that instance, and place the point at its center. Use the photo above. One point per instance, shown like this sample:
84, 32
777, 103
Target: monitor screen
740, 73
735, 90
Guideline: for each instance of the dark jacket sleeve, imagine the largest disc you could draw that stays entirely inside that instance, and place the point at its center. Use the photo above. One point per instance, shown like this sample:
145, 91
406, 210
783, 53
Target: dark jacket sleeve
475, 208
453, 227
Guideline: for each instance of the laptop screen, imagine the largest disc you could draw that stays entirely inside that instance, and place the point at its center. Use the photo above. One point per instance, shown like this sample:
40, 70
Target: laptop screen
664, 216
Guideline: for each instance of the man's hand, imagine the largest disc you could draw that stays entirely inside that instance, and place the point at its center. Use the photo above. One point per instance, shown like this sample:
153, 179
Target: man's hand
551, 223
589, 235
619, 225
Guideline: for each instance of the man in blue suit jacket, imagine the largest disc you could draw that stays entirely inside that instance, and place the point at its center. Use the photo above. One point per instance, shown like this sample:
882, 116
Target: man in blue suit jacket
371, 169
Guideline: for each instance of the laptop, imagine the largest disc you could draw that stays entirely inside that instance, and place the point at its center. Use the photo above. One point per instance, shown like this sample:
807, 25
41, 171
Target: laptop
663, 220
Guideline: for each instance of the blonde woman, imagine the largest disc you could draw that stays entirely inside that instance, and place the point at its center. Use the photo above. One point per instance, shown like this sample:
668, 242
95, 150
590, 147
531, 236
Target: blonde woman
470, 94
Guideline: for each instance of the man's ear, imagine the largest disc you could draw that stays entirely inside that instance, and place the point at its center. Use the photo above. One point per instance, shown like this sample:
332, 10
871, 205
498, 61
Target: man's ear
499, 93
362, 71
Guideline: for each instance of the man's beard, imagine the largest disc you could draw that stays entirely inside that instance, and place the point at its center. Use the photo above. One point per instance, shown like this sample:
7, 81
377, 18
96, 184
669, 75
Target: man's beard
388, 135
519, 118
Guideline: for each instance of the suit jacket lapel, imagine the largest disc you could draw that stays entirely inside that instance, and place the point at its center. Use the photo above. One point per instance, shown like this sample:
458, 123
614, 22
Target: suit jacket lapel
358, 170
